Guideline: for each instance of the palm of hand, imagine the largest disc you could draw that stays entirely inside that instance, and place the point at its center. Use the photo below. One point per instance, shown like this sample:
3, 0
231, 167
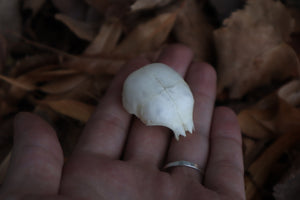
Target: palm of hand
116, 160
90, 177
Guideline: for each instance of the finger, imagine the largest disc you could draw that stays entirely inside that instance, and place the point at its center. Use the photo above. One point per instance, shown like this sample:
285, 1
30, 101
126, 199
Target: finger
149, 144
224, 173
106, 131
194, 147
37, 158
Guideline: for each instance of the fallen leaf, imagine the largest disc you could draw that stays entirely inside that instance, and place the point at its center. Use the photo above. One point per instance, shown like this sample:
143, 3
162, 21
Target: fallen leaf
18, 83
106, 40
71, 108
84, 30
148, 4
252, 47
97, 65
259, 170
192, 29
148, 36
63, 84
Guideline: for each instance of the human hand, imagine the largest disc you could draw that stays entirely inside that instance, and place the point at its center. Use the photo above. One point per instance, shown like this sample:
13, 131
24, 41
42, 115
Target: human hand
120, 158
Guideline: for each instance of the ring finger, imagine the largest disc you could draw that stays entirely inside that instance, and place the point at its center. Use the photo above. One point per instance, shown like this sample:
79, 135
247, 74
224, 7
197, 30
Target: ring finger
195, 147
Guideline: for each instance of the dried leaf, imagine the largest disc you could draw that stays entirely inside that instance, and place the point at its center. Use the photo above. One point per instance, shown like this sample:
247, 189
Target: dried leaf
148, 4
106, 40
148, 36
252, 50
71, 108
271, 116
63, 84
192, 29
18, 83
84, 30
251, 124
259, 170
97, 65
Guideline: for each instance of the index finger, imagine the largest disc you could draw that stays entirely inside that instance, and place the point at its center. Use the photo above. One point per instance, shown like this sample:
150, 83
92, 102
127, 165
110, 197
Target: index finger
106, 131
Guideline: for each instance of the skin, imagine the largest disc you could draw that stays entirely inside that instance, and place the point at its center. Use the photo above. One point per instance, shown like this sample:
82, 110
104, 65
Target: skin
117, 157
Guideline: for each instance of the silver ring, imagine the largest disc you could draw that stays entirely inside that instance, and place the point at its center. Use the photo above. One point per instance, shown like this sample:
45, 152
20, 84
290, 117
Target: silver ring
183, 163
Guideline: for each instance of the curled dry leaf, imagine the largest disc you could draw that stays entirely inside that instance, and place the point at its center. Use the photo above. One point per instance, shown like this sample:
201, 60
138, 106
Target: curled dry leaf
106, 40
84, 30
63, 84
71, 108
259, 170
271, 119
148, 36
192, 29
148, 4
145, 38
252, 47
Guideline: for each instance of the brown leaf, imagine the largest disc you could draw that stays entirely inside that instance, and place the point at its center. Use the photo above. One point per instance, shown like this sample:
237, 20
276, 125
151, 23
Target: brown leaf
63, 84
97, 65
259, 170
71, 108
148, 4
106, 40
144, 38
251, 47
84, 30
18, 83
270, 117
192, 29
148, 36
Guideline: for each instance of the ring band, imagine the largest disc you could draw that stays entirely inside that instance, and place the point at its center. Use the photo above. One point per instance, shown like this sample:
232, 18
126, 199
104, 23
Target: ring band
183, 163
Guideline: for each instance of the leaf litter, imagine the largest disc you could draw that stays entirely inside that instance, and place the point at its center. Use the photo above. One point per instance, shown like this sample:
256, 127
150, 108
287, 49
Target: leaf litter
256, 53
